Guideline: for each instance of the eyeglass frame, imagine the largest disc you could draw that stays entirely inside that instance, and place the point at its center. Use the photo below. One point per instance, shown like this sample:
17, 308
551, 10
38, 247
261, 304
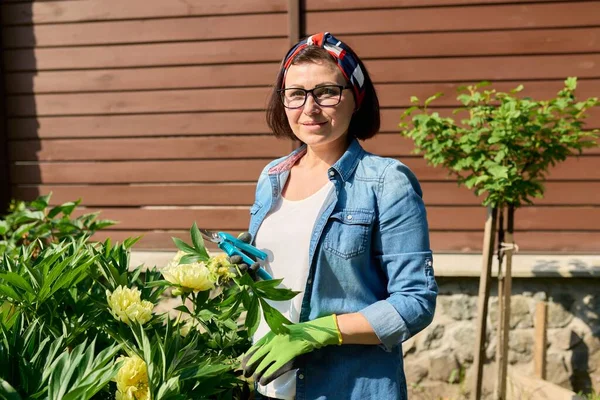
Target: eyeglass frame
311, 91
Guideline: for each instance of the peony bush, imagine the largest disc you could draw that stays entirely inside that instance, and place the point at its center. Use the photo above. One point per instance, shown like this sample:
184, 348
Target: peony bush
78, 322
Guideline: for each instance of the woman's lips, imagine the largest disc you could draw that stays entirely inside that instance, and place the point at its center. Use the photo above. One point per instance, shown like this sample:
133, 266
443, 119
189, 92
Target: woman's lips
313, 123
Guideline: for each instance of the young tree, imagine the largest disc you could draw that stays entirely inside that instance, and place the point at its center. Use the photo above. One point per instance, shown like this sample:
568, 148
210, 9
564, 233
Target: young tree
502, 150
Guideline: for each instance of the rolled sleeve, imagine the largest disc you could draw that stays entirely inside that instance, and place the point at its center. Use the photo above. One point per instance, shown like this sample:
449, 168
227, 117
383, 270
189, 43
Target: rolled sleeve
401, 247
387, 323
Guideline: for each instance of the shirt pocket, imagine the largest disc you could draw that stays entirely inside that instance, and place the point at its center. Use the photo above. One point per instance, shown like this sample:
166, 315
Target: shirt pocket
348, 232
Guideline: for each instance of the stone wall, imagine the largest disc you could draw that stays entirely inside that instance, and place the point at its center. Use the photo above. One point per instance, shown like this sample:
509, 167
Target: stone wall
438, 361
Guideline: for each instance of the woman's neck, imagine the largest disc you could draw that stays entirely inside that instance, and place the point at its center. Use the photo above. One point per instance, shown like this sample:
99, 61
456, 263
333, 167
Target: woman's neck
323, 157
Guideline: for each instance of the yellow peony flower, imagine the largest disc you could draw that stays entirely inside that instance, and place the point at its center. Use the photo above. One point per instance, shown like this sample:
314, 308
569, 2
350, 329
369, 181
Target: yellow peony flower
194, 277
219, 265
126, 305
175, 261
132, 379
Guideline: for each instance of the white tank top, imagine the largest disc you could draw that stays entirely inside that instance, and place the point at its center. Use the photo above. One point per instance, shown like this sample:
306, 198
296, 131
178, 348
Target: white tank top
285, 236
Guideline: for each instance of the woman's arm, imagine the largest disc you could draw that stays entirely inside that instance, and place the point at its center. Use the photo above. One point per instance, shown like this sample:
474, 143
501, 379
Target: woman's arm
355, 329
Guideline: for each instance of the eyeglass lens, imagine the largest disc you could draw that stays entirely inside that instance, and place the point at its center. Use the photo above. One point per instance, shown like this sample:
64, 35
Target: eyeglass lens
324, 96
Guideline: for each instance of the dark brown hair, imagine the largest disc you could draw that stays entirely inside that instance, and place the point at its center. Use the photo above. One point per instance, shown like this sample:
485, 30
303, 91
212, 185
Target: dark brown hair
365, 121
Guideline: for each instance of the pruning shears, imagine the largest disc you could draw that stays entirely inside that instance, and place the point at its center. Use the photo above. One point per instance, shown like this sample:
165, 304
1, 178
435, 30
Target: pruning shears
234, 246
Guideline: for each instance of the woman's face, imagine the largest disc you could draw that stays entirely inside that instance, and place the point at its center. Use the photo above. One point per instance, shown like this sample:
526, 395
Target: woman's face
313, 124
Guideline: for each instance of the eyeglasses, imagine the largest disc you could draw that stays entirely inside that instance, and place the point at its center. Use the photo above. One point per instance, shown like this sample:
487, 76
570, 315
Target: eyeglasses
325, 96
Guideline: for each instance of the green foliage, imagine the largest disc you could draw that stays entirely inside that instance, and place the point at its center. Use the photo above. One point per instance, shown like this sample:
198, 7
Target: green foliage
60, 337
27, 222
506, 144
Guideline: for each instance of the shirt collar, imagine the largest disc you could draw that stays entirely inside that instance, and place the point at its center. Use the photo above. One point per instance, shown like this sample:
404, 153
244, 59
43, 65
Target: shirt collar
345, 166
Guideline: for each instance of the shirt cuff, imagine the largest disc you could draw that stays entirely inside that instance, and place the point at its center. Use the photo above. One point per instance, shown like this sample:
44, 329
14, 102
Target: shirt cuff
388, 325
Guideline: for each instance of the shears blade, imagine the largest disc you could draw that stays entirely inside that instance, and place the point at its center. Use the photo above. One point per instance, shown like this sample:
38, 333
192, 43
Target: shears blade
211, 235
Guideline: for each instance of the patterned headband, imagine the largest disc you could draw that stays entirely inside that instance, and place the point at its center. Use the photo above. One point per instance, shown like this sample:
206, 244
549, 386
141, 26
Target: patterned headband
347, 61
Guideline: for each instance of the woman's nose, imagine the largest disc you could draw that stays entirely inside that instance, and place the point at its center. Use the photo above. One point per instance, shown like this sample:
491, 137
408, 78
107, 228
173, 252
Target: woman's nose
311, 106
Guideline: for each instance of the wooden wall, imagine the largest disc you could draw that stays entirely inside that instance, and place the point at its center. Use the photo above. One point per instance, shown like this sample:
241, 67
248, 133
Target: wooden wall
152, 111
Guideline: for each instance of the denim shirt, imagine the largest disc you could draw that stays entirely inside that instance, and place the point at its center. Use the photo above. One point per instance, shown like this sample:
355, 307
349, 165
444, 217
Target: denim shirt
369, 253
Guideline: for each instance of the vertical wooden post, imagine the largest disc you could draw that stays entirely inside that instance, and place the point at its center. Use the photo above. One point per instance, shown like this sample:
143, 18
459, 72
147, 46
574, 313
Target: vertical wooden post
500, 321
294, 21
505, 305
539, 350
482, 300
295, 32
5, 194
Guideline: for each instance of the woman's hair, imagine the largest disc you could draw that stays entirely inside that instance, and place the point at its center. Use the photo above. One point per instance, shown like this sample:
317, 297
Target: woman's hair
365, 121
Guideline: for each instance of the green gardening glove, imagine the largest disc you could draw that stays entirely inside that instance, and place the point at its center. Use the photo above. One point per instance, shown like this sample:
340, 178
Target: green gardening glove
274, 354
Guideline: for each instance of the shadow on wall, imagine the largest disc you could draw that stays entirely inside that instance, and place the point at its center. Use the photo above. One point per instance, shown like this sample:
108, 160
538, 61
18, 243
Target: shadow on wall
21, 123
556, 269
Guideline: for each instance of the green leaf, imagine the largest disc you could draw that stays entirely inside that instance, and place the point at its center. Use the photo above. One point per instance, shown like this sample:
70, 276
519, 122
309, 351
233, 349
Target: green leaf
183, 308
571, 83
252, 316
66, 208
189, 259
9, 292
17, 280
103, 223
41, 202
129, 242
4, 227
7, 392
198, 243
277, 294
183, 246
274, 318
432, 98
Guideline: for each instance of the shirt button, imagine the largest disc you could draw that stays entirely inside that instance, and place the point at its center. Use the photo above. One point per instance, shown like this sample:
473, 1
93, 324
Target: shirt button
301, 376
331, 173
349, 217
309, 281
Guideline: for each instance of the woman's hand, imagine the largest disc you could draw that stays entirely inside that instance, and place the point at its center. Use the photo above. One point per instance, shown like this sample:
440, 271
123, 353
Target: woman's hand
245, 237
274, 354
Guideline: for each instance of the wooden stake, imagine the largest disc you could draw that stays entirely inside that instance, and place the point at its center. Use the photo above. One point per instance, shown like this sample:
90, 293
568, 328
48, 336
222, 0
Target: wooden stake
500, 321
506, 296
482, 300
539, 350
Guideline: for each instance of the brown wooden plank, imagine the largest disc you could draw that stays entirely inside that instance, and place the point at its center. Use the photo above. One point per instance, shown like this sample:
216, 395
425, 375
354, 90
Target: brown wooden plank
466, 242
469, 69
148, 195
574, 169
240, 98
173, 148
457, 71
556, 194
175, 218
146, 55
526, 42
105, 10
142, 79
462, 218
139, 171
395, 145
320, 5
410, 45
435, 193
391, 117
137, 102
181, 124
468, 17
526, 218
144, 31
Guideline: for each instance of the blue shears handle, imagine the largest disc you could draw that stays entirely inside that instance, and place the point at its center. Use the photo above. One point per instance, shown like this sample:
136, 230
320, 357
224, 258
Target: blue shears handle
234, 246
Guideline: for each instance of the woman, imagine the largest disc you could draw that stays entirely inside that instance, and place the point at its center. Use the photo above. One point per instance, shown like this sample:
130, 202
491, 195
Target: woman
347, 229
